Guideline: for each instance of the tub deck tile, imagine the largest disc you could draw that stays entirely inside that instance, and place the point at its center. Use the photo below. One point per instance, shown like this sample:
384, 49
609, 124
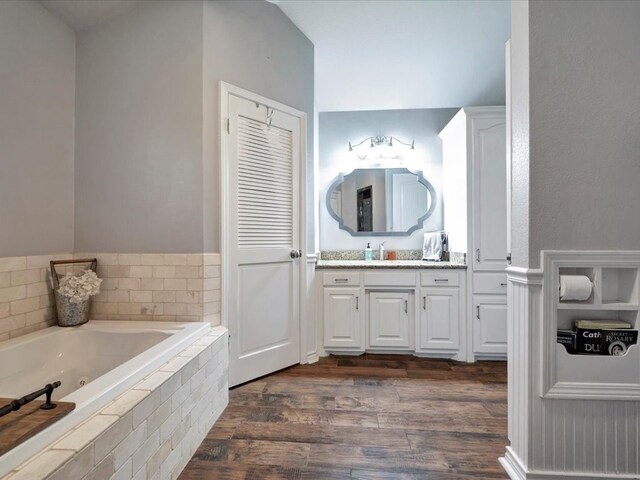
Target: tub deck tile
41, 465
111, 437
79, 438
76, 467
153, 381
175, 364
146, 407
125, 402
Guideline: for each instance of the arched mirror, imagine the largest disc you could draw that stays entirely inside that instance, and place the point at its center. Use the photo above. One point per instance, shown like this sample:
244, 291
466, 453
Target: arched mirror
381, 201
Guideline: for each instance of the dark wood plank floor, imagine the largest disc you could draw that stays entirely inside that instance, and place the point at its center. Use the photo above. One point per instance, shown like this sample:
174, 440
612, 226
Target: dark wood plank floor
368, 417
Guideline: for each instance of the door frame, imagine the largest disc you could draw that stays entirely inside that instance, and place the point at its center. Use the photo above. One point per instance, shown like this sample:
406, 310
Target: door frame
226, 89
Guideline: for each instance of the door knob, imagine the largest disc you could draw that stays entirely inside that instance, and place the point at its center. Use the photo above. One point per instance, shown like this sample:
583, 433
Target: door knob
295, 253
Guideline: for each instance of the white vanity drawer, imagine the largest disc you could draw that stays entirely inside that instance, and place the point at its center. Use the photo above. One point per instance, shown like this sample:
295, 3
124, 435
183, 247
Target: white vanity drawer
440, 278
490, 283
341, 278
390, 279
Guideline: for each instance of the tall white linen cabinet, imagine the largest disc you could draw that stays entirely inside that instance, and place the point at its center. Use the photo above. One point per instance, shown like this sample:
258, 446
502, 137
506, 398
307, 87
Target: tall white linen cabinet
475, 217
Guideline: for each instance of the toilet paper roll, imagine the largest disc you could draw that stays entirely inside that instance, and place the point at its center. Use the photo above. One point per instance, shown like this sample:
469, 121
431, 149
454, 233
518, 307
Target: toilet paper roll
575, 287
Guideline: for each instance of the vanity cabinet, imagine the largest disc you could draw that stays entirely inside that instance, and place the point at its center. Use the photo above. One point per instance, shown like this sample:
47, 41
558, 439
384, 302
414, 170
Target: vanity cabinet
401, 311
439, 325
389, 320
474, 155
343, 326
490, 324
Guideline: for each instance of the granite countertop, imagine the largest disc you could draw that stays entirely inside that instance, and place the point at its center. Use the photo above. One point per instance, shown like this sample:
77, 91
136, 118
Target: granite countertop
380, 264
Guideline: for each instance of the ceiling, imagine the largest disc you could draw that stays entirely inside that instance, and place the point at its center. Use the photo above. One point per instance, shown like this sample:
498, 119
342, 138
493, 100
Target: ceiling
80, 14
396, 54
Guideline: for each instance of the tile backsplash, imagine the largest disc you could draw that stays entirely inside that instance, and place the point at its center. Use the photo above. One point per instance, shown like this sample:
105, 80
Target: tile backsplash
26, 297
159, 287
454, 257
359, 254
165, 287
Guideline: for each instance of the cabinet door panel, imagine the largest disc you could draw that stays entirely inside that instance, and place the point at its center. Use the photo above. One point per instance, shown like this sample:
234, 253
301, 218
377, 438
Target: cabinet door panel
389, 319
490, 325
439, 319
489, 194
342, 319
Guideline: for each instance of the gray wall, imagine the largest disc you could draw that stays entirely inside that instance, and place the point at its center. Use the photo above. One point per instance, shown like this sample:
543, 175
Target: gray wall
584, 126
139, 131
37, 75
337, 129
252, 45
147, 138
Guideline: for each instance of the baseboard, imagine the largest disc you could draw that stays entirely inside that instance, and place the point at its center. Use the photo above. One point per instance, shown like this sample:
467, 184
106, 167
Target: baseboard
516, 471
512, 465
447, 355
313, 357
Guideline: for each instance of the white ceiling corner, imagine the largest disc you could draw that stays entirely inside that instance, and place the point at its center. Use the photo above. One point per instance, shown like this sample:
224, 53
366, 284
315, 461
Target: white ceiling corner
397, 54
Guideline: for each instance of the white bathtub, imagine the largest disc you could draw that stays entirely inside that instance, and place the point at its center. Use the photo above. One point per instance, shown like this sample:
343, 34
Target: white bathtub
109, 357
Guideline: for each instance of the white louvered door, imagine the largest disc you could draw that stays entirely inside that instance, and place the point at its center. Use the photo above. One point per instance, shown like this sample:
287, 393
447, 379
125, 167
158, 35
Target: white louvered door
264, 278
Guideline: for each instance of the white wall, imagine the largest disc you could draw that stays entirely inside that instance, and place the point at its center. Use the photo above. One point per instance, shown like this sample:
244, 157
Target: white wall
585, 124
37, 84
253, 45
139, 131
337, 129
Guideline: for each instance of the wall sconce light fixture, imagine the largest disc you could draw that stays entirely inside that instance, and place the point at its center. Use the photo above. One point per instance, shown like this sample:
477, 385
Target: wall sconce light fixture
381, 140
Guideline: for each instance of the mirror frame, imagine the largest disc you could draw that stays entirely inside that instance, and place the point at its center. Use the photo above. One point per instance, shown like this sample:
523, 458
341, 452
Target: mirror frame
421, 179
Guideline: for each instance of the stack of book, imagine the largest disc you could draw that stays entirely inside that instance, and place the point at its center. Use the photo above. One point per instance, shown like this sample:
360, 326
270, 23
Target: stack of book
599, 337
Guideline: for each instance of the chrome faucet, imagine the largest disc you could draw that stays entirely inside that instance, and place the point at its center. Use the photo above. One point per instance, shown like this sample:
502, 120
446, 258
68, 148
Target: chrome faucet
382, 250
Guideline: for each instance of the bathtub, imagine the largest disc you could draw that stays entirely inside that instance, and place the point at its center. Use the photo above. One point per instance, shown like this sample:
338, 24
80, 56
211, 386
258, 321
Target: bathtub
95, 362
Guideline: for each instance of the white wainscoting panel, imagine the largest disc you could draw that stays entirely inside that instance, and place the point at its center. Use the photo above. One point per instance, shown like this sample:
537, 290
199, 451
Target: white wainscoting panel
559, 438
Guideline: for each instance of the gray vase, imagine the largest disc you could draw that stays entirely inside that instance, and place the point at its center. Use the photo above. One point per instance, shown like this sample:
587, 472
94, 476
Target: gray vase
71, 314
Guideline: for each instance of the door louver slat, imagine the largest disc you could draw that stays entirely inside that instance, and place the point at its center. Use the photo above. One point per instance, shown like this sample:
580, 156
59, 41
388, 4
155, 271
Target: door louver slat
265, 197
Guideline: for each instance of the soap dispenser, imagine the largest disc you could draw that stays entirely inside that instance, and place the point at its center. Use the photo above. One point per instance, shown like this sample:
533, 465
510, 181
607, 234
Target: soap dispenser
368, 254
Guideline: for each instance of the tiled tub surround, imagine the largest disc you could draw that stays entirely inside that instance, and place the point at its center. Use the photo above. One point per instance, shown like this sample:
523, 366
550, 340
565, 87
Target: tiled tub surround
26, 298
149, 432
166, 287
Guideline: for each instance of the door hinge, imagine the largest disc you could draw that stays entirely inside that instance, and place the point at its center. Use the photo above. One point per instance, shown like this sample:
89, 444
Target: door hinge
228, 125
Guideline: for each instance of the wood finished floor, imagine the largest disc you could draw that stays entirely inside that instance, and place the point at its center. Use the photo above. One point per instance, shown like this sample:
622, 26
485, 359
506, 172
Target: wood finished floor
368, 417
